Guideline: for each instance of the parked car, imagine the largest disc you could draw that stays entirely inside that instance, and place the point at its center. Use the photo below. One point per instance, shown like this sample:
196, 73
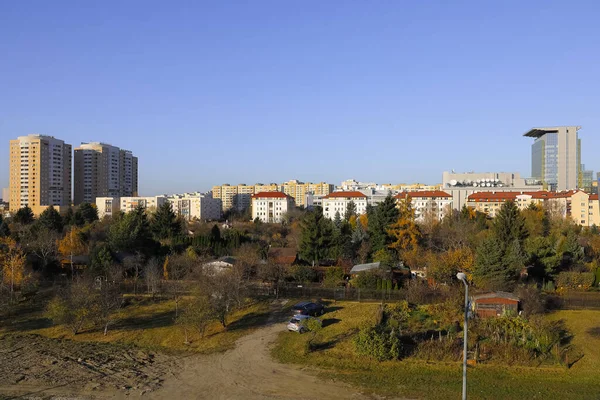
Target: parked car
308, 308
298, 323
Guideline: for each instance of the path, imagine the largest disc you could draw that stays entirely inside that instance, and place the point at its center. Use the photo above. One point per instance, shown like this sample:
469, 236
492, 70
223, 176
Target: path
248, 372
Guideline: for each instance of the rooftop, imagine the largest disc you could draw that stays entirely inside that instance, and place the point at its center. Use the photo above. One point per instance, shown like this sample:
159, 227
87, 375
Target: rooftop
270, 195
344, 195
539, 132
423, 193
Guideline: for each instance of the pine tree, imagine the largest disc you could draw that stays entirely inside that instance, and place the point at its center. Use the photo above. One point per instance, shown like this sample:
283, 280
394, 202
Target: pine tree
4, 230
509, 225
23, 216
350, 210
51, 220
88, 212
316, 236
489, 268
164, 224
337, 220
379, 220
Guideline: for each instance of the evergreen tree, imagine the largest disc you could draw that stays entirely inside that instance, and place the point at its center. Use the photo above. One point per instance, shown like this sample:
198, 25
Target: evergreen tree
132, 233
316, 236
337, 220
380, 219
23, 216
4, 230
69, 217
215, 234
350, 210
164, 224
51, 220
509, 225
88, 212
489, 268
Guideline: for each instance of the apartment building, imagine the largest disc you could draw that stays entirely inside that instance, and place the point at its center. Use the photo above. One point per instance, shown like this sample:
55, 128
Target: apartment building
107, 206
39, 173
337, 202
236, 197
103, 170
269, 207
196, 206
557, 203
433, 203
128, 204
298, 190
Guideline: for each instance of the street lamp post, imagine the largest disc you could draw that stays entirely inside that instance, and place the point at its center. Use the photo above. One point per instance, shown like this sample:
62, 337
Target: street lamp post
461, 276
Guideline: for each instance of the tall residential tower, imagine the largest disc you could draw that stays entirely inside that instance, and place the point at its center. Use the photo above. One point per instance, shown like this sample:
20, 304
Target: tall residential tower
556, 157
103, 170
40, 173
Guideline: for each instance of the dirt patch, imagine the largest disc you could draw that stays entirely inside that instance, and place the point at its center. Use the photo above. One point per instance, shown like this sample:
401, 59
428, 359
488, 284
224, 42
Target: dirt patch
595, 332
32, 363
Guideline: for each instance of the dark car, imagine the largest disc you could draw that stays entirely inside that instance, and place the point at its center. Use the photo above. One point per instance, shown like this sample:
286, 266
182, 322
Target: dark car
308, 308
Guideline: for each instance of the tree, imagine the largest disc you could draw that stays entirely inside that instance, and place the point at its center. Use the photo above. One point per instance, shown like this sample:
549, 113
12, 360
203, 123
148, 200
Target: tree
12, 260
274, 273
224, 292
405, 232
164, 224
74, 306
303, 273
71, 245
509, 225
379, 220
4, 230
197, 315
495, 268
337, 220
134, 265
42, 243
108, 298
23, 216
316, 236
131, 233
350, 211
152, 273
333, 277
88, 213
443, 267
51, 220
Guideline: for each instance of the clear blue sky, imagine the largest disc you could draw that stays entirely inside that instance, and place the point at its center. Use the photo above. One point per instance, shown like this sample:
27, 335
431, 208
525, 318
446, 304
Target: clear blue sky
257, 91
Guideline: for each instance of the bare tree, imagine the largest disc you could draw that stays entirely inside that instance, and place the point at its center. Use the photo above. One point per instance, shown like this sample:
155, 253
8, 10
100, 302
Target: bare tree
247, 260
196, 315
134, 265
108, 296
152, 273
274, 273
225, 291
74, 306
42, 243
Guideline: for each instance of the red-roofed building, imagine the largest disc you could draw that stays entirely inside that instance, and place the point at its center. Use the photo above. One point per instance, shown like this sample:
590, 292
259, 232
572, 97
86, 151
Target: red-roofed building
337, 202
433, 203
269, 207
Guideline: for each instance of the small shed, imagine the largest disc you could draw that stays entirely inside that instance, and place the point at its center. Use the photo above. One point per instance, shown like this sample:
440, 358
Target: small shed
494, 304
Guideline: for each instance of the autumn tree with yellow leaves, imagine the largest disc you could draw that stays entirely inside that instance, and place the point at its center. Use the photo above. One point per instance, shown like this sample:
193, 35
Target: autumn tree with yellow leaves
72, 245
12, 260
405, 232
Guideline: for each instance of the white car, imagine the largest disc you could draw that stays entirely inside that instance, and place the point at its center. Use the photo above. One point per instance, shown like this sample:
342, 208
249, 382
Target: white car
298, 323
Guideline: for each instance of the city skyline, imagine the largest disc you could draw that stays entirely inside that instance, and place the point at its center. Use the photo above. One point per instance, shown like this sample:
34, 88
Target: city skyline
267, 93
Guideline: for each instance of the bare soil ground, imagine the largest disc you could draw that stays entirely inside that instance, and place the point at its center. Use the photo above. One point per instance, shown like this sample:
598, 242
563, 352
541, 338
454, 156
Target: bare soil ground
34, 367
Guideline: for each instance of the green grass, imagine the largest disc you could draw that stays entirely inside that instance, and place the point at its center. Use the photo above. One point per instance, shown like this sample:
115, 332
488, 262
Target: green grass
435, 380
150, 325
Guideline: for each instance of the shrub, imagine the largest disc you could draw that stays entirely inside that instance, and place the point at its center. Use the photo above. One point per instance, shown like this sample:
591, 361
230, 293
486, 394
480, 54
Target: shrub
532, 300
333, 277
575, 280
378, 343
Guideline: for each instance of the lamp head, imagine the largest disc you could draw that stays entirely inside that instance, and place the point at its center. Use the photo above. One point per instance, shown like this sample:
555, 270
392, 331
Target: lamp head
461, 276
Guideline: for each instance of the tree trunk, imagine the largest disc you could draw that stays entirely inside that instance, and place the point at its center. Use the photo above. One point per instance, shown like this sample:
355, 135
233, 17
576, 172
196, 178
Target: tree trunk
105, 328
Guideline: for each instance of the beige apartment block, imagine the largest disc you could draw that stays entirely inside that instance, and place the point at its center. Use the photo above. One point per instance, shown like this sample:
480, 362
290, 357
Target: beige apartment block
103, 170
196, 206
107, 206
39, 173
298, 190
